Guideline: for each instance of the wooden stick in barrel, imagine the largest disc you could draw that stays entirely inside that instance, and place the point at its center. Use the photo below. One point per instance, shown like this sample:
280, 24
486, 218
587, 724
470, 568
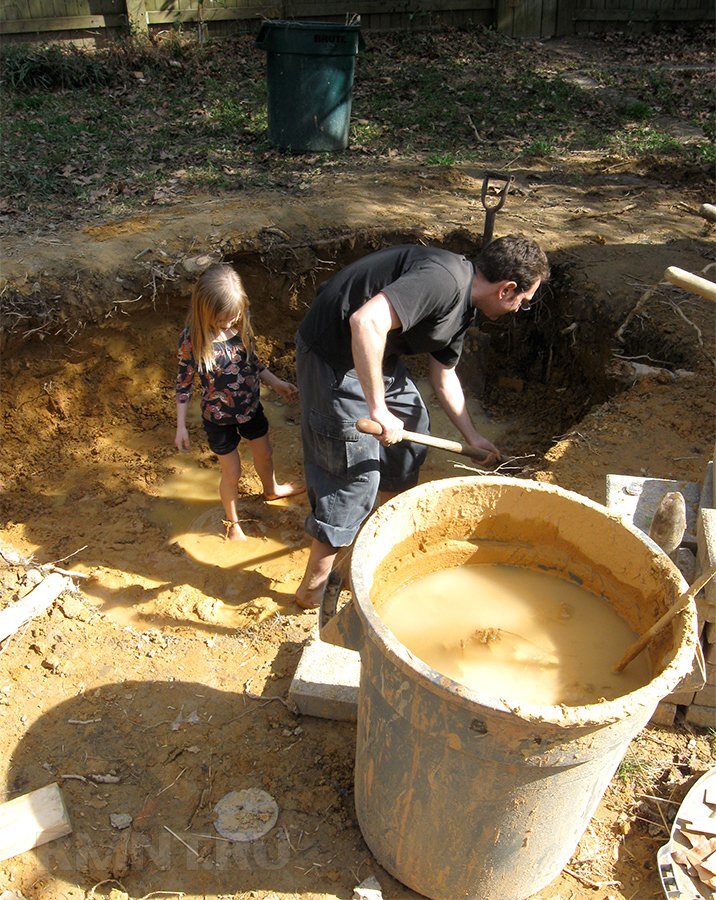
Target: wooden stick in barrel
368, 426
679, 606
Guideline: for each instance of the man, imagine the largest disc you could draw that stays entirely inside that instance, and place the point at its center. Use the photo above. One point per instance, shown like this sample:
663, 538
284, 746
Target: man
393, 303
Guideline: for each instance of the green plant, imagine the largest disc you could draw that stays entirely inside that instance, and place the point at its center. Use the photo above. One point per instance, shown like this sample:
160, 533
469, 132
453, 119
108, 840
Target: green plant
441, 159
24, 67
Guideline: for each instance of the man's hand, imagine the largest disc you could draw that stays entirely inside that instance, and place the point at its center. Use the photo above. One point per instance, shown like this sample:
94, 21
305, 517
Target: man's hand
391, 425
482, 443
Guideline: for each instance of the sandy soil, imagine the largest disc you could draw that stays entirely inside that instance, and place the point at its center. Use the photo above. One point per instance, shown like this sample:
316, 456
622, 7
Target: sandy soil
158, 684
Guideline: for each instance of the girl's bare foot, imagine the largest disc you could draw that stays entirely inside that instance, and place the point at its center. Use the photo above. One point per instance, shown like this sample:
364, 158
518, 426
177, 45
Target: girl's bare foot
289, 489
234, 532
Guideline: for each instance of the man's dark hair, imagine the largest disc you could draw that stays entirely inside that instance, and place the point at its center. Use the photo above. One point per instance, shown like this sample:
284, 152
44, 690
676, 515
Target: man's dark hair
513, 258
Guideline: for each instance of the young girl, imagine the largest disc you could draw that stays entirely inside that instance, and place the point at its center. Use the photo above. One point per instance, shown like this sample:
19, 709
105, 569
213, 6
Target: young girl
217, 344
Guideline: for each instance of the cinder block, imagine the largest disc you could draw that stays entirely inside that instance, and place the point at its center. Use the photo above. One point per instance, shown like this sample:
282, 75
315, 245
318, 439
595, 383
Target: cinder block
664, 714
703, 716
326, 681
706, 551
635, 501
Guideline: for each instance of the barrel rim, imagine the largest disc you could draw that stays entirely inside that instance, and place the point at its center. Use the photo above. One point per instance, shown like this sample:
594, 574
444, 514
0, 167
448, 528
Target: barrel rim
589, 715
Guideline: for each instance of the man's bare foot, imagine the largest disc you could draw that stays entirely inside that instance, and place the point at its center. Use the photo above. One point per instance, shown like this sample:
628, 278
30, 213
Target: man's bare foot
309, 599
289, 489
234, 531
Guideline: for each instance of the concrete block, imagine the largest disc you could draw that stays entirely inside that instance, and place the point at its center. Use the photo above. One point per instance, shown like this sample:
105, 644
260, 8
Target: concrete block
664, 714
708, 489
706, 550
703, 716
686, 563
635, 500
326, 681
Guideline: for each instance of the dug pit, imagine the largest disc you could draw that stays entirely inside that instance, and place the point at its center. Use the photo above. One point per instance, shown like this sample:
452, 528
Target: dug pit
158, 687
92, 477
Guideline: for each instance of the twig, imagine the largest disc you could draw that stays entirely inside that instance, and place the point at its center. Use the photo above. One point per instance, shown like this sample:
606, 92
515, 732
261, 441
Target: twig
696, 328
173, 782
174, 834
588, 881
90, 896
62, 559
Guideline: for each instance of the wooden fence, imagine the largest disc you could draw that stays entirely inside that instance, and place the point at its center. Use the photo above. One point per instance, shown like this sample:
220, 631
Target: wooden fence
95, 21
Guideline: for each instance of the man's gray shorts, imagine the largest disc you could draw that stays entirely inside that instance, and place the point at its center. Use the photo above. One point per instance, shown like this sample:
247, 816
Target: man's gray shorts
344, 468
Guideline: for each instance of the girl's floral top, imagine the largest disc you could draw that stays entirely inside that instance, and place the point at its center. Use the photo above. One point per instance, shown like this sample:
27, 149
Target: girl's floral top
230, 391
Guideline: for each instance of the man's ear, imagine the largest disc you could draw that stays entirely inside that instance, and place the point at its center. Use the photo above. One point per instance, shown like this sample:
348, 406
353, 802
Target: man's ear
505, 287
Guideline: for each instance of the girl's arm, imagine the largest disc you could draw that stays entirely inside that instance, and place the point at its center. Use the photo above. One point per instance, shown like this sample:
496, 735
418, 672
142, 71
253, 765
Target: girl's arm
283, 388
181, 441
184, 385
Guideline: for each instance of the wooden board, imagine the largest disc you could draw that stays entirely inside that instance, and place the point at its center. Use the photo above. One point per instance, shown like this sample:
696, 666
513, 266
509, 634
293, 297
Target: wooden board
31, 820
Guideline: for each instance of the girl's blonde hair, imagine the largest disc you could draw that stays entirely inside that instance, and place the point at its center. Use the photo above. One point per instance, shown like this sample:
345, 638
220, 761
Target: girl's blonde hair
217, 292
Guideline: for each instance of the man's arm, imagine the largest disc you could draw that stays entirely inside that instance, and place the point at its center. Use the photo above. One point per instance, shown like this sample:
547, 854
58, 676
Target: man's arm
449, 392
370, 325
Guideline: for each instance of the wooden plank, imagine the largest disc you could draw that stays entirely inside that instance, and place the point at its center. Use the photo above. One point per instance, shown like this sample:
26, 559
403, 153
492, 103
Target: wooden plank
549, 18
628, 15
31, 820
30, 26
17, 10
137, 16
33, 604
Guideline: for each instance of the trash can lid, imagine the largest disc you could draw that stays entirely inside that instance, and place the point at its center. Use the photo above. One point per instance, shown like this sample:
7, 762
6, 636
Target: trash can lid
310, 38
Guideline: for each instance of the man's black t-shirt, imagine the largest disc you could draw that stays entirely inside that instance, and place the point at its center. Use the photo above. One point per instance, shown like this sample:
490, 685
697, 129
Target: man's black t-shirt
429, 289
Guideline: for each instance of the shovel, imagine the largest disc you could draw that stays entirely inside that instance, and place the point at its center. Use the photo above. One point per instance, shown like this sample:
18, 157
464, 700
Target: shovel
368, 426
494, 205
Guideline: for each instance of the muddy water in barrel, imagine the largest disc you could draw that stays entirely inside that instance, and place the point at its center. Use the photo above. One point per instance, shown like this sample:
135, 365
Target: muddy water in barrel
516, 634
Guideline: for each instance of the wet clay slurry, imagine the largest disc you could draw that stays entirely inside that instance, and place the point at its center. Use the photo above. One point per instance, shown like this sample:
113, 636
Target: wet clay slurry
516, 634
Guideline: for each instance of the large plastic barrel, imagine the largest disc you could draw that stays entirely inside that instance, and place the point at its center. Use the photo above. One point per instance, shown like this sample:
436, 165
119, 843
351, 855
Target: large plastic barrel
310, 68
457, 792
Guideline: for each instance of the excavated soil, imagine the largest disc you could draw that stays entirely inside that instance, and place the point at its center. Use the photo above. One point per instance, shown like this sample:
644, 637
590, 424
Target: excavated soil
158, 684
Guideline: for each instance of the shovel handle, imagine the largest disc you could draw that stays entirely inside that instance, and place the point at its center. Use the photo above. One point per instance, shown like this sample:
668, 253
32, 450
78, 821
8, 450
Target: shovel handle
368, 426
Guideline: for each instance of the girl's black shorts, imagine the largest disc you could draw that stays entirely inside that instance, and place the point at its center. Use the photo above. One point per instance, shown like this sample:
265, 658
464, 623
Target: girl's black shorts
225, 439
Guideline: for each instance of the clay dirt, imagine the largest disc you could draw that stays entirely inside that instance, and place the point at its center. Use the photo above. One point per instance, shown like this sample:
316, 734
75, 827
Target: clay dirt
158, 683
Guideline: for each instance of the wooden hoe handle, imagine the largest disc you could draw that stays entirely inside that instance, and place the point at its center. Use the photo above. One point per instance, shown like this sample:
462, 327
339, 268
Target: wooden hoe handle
368, 426
679, 606
694, 283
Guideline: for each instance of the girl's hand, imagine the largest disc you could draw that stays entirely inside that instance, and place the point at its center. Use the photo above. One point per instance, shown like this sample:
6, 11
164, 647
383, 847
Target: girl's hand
181, 441
286, 390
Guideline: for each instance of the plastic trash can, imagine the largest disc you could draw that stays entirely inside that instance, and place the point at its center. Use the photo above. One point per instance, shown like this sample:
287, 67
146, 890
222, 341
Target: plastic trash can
310, 68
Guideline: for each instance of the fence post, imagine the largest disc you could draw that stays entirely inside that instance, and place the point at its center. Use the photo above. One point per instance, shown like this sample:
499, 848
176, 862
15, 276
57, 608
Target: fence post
137, 16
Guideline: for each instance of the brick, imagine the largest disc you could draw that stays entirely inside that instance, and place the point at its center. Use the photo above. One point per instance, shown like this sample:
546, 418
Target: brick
664, 714
710, 651
635, 500
703, 716
681, 698
706, 696
326, 681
